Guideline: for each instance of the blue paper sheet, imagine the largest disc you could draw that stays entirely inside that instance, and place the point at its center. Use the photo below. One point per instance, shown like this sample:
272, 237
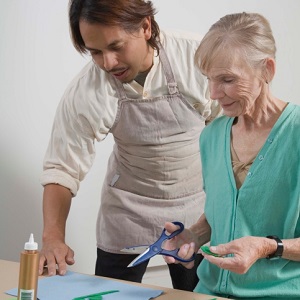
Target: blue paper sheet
74, 285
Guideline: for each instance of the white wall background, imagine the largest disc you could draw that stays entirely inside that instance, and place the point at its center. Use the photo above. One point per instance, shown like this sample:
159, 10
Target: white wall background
37, 61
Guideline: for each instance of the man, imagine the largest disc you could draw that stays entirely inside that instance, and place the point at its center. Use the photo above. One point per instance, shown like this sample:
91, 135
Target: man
141, 86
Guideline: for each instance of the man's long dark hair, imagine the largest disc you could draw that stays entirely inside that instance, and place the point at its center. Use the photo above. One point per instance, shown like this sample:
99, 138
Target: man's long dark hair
127, 14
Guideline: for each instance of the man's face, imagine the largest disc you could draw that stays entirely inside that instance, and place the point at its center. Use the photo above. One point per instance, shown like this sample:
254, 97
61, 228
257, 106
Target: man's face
117, 52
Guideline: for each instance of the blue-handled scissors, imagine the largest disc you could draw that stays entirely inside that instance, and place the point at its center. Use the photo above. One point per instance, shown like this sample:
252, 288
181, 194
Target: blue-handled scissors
156, 248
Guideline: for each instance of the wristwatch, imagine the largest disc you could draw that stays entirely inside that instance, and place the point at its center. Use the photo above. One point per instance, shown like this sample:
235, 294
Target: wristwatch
278, 253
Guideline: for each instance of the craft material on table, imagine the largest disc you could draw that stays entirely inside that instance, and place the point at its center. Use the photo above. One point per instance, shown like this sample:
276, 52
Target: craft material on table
74, 285
97, 296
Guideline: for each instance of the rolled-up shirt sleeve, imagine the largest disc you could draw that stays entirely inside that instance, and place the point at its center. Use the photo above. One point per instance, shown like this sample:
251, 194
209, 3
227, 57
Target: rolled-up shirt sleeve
76, 128
70, 152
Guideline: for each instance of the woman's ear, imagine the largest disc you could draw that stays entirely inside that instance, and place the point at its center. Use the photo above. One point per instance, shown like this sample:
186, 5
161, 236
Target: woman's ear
270, 68
146, 26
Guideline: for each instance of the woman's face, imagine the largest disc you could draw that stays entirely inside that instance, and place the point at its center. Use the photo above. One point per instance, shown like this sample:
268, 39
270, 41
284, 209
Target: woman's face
235, 85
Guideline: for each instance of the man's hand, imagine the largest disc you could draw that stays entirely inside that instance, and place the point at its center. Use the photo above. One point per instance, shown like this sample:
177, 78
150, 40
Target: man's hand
56, 255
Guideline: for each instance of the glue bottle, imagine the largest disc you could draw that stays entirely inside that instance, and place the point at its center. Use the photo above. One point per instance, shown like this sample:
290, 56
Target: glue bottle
28, 275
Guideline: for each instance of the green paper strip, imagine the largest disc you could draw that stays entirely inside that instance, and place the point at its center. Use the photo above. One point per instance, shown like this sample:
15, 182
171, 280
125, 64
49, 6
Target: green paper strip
97, 296
206, 250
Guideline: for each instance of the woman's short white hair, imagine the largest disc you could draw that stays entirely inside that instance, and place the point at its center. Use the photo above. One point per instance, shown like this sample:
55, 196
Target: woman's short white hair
249, 34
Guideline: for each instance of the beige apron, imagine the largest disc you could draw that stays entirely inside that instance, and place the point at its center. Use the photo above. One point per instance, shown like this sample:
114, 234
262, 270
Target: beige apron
154, 171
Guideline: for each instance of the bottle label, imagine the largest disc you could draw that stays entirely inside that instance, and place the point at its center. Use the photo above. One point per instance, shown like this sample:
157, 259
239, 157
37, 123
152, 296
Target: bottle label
26, 294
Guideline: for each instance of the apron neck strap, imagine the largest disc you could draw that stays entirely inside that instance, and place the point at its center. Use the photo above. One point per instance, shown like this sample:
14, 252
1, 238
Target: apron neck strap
172, 85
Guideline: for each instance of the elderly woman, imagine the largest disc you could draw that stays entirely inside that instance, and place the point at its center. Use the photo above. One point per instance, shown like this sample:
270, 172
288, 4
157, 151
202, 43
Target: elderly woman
251, 170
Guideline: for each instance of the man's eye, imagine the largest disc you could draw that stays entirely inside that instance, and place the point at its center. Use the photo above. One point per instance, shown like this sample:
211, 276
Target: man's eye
116, 48
95, 52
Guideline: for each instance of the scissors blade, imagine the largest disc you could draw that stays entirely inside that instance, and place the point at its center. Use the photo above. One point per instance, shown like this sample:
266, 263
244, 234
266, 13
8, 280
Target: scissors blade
135, 249
141, 258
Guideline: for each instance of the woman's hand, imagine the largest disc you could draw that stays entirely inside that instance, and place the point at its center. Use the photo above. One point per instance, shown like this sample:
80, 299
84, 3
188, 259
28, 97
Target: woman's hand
188, 241
185, 242
239, 255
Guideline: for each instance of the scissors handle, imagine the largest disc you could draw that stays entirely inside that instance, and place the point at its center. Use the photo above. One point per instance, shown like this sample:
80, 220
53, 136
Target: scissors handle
176, 232
157, 246
173, 253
